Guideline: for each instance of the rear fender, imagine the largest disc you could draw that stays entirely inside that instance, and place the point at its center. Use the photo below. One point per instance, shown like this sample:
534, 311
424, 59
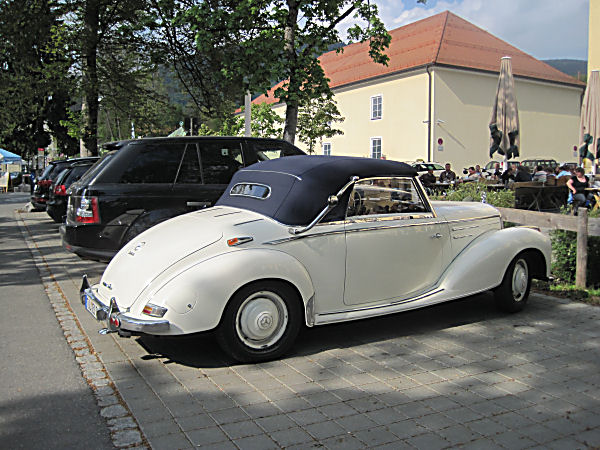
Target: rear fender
210, 284
483, 263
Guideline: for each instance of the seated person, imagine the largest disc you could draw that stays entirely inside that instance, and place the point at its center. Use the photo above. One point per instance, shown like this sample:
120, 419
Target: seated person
497, 172
508, 175
471, 175
540, 174
428, 178
577, 185
447, 176
563, 171
522, 174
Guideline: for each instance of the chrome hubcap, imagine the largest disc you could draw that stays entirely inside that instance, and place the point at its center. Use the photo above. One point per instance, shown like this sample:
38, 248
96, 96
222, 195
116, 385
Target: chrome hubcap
261, 319
520, 280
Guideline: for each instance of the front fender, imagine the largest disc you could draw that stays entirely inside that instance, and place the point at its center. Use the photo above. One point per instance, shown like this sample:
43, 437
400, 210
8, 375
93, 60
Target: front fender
196, 298
483, 263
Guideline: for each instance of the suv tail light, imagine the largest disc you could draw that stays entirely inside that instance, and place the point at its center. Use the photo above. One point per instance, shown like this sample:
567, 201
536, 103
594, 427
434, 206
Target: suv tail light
88, 211
60, 190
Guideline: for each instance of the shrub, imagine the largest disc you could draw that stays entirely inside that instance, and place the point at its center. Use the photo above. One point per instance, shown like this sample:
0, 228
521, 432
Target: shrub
564, 257
502, 198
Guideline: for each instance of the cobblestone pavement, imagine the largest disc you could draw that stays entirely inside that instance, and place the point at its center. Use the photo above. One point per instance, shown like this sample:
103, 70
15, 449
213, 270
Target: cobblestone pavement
455, 375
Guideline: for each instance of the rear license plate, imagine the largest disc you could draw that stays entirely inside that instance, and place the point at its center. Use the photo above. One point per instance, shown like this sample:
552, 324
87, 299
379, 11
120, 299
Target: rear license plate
92, 307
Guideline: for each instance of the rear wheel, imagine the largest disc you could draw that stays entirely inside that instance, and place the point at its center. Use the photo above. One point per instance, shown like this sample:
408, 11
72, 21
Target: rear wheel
260, 322
512, 294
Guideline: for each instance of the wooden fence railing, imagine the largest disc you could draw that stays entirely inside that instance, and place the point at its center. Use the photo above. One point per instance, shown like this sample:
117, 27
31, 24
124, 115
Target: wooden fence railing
583, 225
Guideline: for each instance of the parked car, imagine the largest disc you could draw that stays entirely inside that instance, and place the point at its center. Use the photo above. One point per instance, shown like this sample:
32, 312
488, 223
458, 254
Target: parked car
423, 167
311, 240
56, 207
143, 182
531, 164
41, 192
490, 167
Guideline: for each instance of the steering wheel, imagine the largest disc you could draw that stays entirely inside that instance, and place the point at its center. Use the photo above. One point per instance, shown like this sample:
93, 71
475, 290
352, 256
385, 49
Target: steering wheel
355, 203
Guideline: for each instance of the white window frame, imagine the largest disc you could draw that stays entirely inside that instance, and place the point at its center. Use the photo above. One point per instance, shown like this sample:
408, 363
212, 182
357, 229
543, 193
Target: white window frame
326, 145
372, 152
373, 115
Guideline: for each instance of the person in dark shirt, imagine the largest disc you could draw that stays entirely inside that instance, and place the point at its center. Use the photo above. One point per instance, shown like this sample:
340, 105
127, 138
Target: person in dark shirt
508, 175
577, 185
428, 178
447, 175
522, 174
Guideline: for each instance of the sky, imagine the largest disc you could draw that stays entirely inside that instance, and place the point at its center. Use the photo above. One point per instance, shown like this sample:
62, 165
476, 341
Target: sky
546, 29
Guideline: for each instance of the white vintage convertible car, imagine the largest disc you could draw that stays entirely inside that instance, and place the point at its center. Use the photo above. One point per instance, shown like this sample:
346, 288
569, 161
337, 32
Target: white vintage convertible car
311, 240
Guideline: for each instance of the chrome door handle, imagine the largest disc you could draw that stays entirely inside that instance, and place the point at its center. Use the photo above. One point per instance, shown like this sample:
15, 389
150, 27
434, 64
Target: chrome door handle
436, 236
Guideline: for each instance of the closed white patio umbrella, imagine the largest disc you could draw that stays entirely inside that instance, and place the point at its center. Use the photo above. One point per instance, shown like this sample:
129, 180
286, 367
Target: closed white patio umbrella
504, 122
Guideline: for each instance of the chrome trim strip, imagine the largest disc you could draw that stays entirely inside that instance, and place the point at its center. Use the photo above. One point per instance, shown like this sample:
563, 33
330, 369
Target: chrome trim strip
389, 227
465, 228
387, 305
379, 218
272, 171
466, 219
462, 237
305, 236
248, 221
227, 213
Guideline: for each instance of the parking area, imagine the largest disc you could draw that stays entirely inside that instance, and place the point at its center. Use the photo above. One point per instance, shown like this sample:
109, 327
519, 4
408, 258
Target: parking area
458, 374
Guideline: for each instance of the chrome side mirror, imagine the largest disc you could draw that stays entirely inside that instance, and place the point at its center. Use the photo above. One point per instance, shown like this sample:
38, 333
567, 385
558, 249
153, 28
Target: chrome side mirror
332, 201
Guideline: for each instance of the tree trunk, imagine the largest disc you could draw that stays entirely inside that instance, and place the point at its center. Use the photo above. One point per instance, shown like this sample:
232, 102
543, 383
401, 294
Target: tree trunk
291, 110
90, 77
291, 121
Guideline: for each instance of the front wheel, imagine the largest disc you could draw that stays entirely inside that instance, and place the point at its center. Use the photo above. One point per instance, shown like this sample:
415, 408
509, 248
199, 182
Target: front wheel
260, 322
512, 294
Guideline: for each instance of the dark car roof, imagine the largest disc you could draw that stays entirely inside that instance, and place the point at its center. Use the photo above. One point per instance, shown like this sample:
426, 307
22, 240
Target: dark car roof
300, 185
115, 145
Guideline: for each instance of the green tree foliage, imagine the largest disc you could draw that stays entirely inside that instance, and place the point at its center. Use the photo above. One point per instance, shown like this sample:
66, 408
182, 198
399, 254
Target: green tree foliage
267, 41
114, 61
34, 77
264, 122
315, 121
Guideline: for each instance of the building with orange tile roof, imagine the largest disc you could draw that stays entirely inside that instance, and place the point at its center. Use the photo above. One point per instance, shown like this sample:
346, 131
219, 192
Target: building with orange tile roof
439, 86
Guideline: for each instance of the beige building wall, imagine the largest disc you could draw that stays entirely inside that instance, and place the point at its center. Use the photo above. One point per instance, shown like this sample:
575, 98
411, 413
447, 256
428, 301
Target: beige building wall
594, 37
548, 115
401, 128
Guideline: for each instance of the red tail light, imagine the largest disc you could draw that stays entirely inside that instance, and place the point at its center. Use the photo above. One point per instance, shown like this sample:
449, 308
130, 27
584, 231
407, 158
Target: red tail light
60, 190
88, 211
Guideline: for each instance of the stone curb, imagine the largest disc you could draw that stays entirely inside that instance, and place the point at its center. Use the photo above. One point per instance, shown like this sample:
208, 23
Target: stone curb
125, 432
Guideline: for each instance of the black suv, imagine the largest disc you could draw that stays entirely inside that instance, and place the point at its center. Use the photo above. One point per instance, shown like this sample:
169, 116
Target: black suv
41, 192
143, 182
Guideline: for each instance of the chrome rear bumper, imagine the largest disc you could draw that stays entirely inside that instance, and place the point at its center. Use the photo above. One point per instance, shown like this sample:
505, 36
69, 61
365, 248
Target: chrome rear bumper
115, 320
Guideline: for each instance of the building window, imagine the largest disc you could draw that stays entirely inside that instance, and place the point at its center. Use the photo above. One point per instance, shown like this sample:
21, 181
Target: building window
376, 148
376, 107
326, 148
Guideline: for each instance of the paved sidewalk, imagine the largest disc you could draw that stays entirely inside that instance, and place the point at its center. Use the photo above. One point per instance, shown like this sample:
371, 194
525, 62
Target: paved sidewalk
458, 374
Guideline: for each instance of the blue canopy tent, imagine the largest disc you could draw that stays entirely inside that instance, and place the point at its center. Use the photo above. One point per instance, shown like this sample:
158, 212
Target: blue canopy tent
7, 157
